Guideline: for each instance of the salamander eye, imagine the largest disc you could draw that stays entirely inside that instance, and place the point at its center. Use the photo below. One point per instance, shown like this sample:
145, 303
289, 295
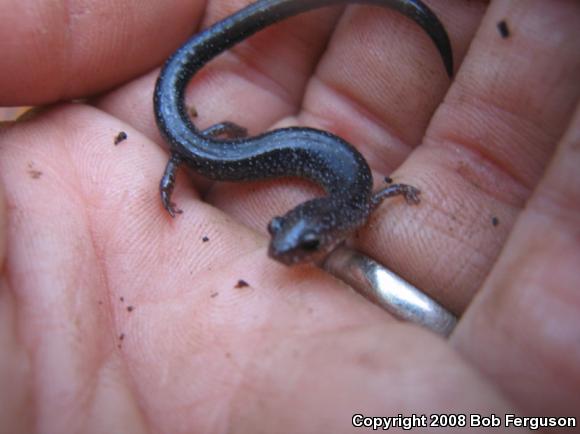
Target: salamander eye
275, 225
310, 243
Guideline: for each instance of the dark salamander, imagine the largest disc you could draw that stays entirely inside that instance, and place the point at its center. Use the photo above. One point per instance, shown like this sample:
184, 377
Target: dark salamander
311, 230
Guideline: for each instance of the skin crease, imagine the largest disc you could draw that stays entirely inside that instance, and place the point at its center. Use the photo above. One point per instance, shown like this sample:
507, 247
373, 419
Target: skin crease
296, 350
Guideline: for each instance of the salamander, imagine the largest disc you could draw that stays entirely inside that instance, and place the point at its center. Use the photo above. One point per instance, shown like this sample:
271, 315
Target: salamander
311, 230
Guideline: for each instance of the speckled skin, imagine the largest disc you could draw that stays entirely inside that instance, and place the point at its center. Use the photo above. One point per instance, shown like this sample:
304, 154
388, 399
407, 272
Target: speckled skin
312, 229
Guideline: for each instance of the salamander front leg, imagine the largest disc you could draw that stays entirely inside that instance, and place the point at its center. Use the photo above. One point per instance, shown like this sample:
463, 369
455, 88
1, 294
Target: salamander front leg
228, 129
410, 193
168, 183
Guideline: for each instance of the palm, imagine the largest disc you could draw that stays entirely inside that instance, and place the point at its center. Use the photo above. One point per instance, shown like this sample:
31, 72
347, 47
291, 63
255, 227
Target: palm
108, 300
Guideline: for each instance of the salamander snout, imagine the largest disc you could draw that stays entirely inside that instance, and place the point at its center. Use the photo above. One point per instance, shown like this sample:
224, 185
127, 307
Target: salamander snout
305, 234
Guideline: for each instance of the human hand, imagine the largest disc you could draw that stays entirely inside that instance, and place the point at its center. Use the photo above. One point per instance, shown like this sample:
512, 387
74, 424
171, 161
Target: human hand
118, 318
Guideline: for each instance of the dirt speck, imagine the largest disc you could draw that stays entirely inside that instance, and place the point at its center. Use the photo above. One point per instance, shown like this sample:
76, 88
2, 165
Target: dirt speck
34, 173
241, 284
121, 137
503, 29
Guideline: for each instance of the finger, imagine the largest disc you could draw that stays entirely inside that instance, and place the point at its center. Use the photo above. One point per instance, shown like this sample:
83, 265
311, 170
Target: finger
63, 50
268, 69
525, 323
486, 148
381, 78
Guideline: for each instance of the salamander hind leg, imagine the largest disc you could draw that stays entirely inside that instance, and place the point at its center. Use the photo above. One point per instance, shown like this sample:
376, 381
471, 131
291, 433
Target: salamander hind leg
410, 193
167, 184
228, 129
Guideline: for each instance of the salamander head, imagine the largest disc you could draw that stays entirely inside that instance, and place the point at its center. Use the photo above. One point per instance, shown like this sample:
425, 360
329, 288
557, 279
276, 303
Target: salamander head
308, 233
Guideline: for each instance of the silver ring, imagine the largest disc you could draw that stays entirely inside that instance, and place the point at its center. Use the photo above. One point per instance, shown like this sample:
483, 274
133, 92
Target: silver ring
388, 290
